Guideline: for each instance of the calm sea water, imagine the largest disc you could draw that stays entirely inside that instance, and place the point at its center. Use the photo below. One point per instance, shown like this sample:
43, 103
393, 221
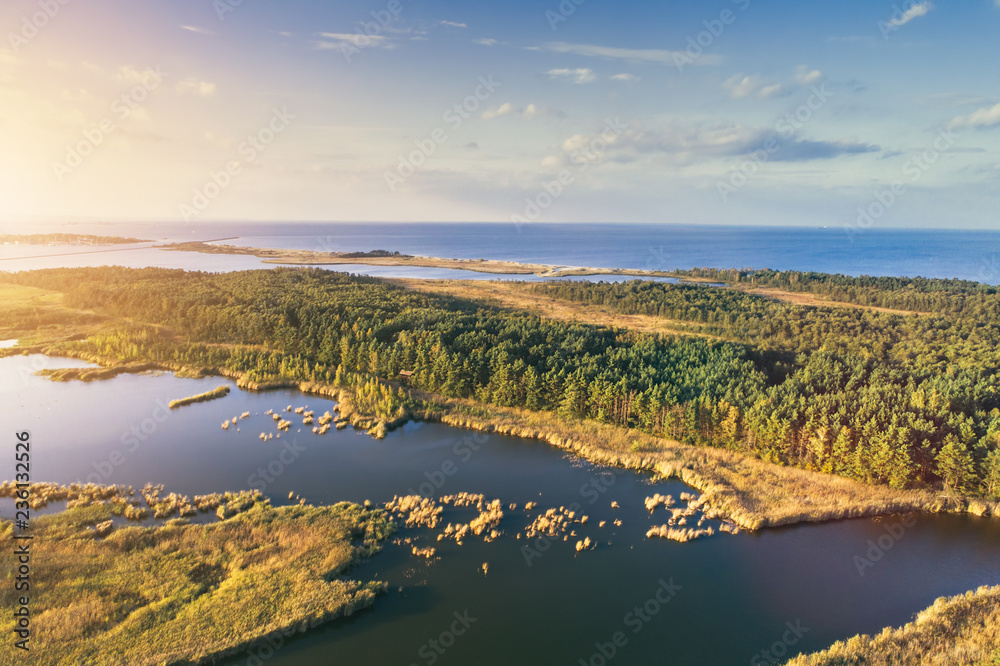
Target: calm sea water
971, 255
736, 594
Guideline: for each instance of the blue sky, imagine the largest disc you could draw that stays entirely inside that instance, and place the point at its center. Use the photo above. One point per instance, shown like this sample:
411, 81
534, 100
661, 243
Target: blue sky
848, 113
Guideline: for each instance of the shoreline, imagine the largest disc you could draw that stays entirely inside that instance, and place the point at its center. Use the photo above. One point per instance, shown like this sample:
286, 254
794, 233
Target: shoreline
488, 266
750, 492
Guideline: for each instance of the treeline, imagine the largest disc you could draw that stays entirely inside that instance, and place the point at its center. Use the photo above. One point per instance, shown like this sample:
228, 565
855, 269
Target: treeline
372, 254
918, 294
933, 343
842, 391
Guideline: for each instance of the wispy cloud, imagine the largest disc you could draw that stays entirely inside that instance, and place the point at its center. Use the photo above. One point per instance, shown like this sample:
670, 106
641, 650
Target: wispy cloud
741, 86
980, 119
502, 110
629, 78
192, 86
200, 31
453, 24
579, 76
641, 55
697, 143
914, 11
806, 77
489, 41
336, 40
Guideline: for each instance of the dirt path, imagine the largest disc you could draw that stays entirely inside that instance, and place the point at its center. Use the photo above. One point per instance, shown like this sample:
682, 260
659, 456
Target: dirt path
507, 295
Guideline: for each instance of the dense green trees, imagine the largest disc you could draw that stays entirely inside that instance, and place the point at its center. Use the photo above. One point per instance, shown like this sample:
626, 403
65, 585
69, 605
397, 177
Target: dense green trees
884, 398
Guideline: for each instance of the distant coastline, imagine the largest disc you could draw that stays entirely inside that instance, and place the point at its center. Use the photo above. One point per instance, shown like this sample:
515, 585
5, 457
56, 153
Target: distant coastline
67, 239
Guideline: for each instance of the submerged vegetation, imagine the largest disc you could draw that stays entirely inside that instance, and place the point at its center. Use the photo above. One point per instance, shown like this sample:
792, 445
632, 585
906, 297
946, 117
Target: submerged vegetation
957, 631
179, 593
217, 392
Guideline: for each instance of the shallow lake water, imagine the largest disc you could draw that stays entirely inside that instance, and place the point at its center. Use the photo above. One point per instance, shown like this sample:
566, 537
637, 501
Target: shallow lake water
730, 597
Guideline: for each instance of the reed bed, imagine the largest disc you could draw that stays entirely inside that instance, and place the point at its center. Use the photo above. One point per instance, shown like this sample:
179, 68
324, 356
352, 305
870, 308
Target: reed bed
218, 392
127, 502
750, 493
956, 631
416, 511
192, 594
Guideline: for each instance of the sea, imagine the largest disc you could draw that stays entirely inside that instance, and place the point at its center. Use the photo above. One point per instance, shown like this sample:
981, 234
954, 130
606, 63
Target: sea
934, 253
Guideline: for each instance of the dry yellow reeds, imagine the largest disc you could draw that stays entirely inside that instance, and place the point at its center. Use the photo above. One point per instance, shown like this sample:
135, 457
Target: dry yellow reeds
104, 529
958, 631
416, 511
667, 532
217, 392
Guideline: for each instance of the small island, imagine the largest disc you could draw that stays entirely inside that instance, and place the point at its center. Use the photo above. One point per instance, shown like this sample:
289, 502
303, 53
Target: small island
217, 392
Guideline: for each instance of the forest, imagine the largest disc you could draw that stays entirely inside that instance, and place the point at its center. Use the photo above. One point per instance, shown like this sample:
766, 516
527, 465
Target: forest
909, 401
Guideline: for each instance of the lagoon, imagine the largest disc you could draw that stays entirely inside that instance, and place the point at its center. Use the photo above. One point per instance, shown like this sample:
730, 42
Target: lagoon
734, 596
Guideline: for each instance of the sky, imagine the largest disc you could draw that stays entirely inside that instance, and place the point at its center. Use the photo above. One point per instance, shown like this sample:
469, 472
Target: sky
723, 112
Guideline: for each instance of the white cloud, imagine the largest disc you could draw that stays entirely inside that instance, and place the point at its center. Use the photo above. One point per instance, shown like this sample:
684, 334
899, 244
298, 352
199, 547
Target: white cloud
194, 28
629, 78
741, 87
580, 75
502, 110
453, 24
806, 77
192, 86
131, 75
982, 118
690, 144
530, 112
336, 40
915, 11
489, 41
646, 55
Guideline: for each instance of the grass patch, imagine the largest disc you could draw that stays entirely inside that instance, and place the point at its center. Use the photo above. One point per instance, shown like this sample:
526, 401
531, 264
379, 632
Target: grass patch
956, 631
182, 593
218, 392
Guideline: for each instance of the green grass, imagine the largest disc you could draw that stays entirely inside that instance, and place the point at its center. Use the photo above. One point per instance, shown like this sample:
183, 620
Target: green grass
217, 392
189, 593
958, 631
